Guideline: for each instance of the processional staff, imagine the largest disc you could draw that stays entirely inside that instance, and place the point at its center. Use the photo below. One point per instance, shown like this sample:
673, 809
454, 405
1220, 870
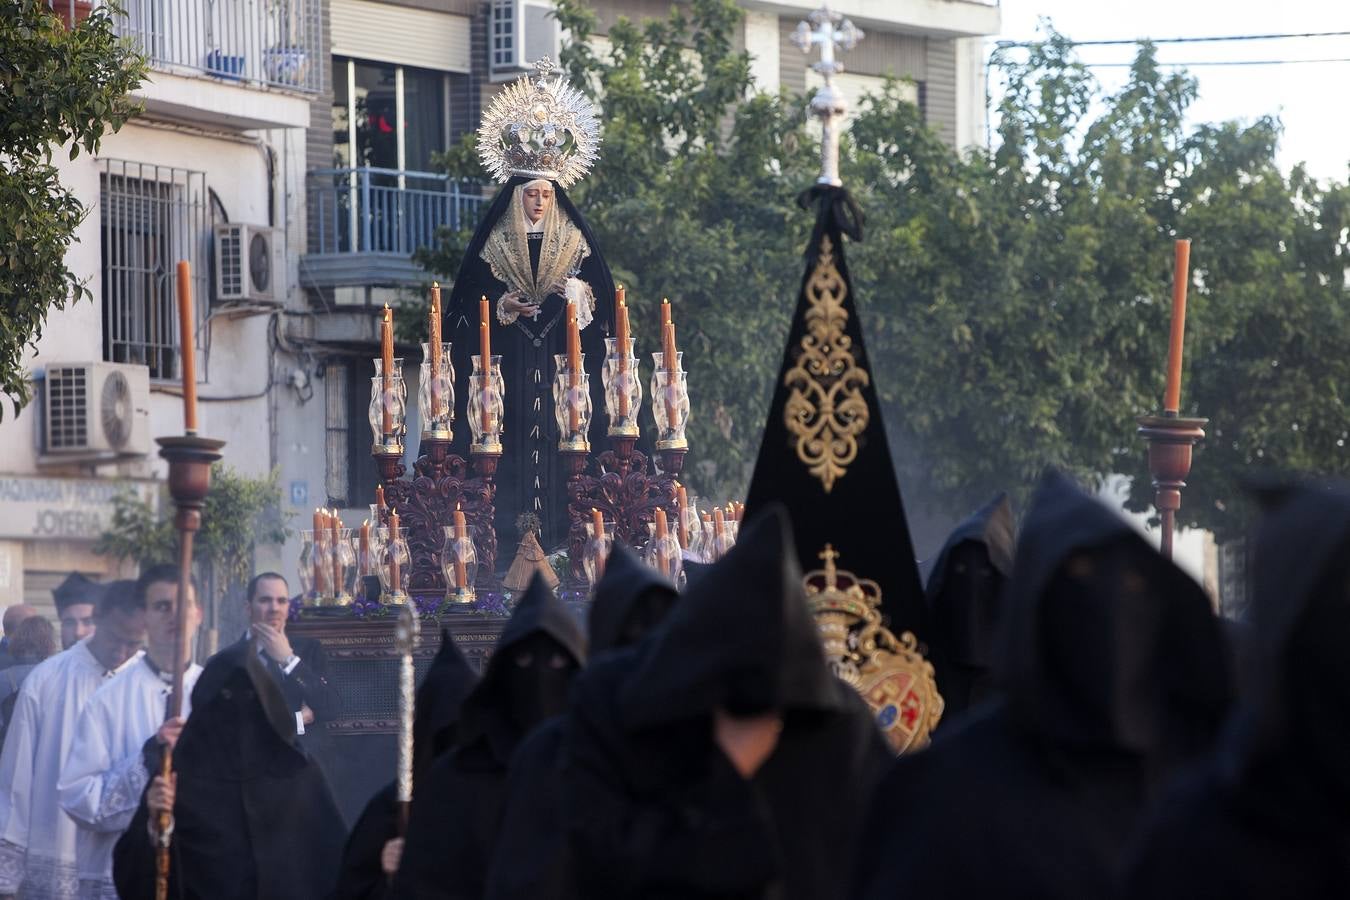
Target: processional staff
190, 458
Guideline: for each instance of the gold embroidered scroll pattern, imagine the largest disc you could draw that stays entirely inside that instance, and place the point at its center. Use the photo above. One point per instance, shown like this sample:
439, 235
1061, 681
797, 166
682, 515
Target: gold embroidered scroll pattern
826, 411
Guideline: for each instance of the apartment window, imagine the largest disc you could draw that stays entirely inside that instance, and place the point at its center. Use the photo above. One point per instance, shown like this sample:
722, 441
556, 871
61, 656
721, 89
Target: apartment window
350, 472
503, 26
388, 116
152, 216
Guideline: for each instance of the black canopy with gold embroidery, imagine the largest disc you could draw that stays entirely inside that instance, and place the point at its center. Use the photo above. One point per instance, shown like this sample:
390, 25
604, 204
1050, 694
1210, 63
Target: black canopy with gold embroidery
824, 452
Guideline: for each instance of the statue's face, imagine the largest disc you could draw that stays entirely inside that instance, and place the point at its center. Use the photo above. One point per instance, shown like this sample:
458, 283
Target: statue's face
537, 199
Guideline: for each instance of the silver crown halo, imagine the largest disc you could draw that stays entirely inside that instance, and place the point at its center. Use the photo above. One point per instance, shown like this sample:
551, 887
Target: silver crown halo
540, 127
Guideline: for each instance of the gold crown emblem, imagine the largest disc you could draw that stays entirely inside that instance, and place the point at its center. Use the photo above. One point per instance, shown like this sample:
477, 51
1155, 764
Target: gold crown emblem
539, 127
889, 672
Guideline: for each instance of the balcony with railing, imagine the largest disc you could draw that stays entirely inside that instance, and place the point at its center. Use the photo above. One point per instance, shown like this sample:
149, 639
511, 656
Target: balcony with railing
253, 43
366, 223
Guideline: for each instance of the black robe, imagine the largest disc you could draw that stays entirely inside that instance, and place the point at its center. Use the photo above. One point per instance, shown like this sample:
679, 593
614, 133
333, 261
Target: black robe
458, 806
963, 592
1036, 794
1269, 814
527, 346
447, 681
654, 808
254, 818
533, 858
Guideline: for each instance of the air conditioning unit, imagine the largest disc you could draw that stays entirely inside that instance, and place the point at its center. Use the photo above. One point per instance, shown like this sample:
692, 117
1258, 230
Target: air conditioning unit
95, 410
250, 264
519, 33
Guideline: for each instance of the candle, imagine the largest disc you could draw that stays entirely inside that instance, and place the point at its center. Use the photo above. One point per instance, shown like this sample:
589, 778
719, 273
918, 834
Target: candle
187, 347
315, 555
660, 539
434, 345
485, 362
1180, 280
394, 581
335, 526
719, 524
682, 506
364, 562
740, 510
379, 498
387, 370
672, 379
597, 523
620, 299
573, 369
461, 532
665, 312
622, 343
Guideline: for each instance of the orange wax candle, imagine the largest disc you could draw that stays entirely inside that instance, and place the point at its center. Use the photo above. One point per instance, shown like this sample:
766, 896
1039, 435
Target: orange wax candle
622, 343
719, 522
363, 564
187, 347
386, 369
461, 532
661, 532
434, 346
620, 297
665, 312
573, 368
335, 529
394, 581
597, 523
672, 381
681, 506
485, 360
318, 571
379, 498
1180, 280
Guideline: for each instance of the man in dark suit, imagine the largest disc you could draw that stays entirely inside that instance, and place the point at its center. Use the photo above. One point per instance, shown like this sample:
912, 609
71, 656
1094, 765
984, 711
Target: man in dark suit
299, 666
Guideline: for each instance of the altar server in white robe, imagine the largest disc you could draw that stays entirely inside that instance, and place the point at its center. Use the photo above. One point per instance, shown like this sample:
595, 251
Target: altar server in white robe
122, 733
37, 838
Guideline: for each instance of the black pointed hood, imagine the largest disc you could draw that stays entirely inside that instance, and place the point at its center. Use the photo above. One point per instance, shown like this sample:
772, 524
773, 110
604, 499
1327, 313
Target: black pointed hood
1289, 740
240, 728
448, 680
627, 580
966, 634
483, 713
1141, 671
741, 636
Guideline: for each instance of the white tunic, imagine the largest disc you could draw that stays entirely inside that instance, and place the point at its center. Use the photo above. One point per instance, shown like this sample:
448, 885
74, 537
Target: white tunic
37, 838
104, 774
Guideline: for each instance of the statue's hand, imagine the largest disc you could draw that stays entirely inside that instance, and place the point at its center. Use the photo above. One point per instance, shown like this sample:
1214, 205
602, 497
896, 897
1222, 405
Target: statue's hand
512, 305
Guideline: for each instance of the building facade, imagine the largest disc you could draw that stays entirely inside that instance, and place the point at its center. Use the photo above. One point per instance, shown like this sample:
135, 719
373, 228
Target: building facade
287, 151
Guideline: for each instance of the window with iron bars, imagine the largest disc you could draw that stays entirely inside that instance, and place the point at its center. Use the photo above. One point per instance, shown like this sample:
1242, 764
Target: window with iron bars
152, 216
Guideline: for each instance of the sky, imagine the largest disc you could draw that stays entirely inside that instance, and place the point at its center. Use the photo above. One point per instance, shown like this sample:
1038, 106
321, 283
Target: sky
1309, 98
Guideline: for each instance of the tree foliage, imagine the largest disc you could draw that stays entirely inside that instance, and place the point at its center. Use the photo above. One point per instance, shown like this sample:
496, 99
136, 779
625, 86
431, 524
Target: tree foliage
240, 513
1016, 301
60, 87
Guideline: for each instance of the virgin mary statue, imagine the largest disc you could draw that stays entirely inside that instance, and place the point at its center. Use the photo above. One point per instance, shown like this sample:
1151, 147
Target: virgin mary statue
531, 253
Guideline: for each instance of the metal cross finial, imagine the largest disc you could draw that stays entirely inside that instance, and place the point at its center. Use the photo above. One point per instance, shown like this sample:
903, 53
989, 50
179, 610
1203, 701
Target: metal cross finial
825, 29
829, 554
543, 67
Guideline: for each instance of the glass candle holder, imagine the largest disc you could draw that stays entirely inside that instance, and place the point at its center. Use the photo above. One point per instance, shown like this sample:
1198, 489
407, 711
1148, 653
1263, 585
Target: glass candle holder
670, 402
436, 395
398, 376
342, 565
387, 415
485, 406
306, 567
393, 569
596, 552
571, 405
623, 388
663, 555
459, 563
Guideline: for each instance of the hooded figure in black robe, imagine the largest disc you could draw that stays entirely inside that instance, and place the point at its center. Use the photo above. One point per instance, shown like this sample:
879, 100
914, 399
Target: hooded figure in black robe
1113, 674
1269, 814
504, 257
657, 808
963, 593
533, 859
458, 806
254, 818
435, 719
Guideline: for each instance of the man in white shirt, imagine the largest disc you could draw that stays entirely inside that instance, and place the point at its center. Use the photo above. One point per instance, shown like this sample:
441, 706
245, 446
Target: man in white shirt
121, 734
37, 838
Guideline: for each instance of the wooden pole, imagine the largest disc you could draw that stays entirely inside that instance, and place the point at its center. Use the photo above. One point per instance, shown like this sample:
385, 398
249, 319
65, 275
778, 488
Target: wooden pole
190, 458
